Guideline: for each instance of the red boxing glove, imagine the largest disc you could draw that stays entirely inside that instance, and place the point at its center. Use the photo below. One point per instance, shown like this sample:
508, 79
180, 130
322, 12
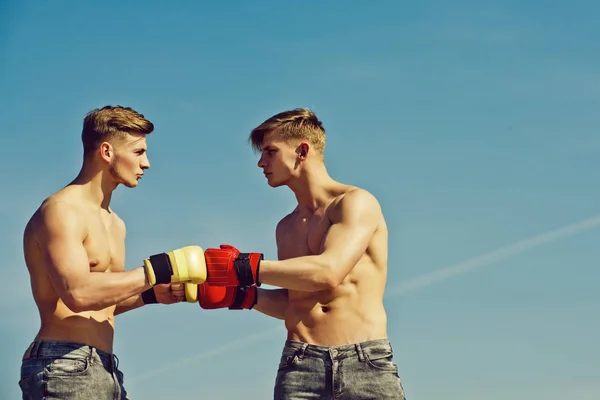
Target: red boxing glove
232, 297
226, 266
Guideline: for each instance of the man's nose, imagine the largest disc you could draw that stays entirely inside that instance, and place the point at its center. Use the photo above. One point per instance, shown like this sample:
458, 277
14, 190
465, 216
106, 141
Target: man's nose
145, 163
261, 162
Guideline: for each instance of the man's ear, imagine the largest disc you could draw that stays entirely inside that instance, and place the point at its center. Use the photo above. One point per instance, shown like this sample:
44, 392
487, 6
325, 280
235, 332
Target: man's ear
303, 150
106, 151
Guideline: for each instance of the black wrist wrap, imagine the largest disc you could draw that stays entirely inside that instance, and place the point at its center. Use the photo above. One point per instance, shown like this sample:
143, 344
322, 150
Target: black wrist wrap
149, 297
163, 270
262, 257
244, 270
240, 295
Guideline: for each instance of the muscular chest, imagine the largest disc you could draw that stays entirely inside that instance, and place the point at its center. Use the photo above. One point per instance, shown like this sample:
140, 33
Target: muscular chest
105, 245
303, 236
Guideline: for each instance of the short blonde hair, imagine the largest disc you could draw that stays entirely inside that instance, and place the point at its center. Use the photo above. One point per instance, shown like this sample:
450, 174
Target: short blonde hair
299, 123
111, 122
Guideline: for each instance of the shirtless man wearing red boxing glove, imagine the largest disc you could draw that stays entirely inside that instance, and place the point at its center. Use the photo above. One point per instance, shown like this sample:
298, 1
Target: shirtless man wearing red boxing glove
331, 271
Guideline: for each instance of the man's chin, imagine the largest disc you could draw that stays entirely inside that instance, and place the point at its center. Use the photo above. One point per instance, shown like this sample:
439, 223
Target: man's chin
129, 184
277, 184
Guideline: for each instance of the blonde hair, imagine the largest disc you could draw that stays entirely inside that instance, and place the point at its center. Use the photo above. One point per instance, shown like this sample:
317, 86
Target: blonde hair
111, 122
299, 123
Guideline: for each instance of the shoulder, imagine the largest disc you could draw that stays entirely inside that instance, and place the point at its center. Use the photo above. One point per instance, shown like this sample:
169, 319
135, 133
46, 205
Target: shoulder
64, 208
57, 217
56, 208
356, 201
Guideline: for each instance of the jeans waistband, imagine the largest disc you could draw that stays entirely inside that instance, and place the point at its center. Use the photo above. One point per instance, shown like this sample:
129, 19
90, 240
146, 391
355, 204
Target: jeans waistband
55, 349
302, 349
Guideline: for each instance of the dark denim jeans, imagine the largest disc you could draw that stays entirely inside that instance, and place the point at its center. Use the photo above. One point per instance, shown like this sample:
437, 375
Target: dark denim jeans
357, 371
53, 370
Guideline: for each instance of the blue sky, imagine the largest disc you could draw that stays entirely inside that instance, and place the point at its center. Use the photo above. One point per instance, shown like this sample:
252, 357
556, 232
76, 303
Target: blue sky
475, 124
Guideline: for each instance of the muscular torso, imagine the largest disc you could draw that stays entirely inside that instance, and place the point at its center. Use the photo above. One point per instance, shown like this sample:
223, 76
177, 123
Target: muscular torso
353, 311
105, 247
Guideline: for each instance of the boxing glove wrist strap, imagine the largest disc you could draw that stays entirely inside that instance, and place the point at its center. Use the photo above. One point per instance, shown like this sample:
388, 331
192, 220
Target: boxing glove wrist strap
262, 257
244, 269
161, 264
241, 294
149, 297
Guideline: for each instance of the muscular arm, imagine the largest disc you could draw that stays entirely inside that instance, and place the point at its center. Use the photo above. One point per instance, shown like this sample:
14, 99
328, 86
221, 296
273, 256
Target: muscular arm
354, 221
61, 240
165, 293
272, 302
129, 304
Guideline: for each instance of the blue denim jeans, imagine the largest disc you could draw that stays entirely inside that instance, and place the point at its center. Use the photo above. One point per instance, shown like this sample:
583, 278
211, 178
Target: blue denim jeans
52, 370
357, 371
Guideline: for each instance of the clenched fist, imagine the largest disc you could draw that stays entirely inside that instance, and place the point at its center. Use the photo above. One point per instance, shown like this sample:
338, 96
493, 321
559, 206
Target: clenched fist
164, 293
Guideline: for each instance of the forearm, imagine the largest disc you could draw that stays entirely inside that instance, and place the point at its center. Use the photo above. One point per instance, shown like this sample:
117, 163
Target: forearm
272, 302
129, 304
309, 273
100, 290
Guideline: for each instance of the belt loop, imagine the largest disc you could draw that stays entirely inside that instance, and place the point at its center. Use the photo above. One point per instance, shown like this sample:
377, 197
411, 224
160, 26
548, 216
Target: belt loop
28, 350
35, 349
91, 354
302, 350
359, 351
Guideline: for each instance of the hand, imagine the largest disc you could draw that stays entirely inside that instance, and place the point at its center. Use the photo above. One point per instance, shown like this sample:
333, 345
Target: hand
169, 293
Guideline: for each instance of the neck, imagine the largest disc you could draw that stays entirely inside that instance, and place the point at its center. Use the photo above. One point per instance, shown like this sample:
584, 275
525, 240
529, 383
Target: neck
97, 183
312, 188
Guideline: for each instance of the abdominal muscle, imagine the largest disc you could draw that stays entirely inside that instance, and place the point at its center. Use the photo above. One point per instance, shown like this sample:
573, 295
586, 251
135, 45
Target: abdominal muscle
346, 315
58, 322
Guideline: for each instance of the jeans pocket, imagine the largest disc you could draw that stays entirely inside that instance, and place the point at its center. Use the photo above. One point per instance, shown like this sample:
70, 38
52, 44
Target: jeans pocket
381, 360
68, 367
287, 362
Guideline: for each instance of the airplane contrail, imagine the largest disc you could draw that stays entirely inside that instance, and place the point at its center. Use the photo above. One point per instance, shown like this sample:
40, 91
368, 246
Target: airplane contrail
417, 282
493, 256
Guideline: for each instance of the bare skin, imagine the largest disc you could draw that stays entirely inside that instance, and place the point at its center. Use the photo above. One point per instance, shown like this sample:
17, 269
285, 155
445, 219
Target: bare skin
332, 253
74, 248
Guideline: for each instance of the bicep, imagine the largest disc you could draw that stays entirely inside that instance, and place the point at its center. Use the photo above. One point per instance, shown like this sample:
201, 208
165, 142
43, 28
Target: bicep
61, 241
351, 231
